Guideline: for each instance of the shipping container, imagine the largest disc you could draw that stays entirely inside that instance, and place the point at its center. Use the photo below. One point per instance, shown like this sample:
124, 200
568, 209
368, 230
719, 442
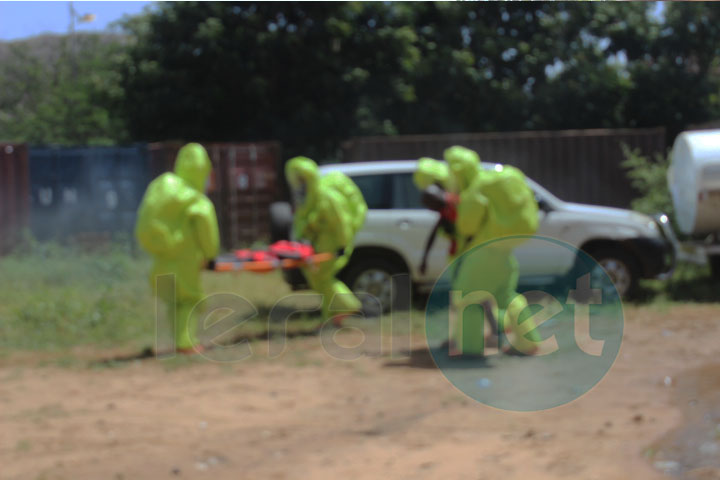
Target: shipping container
243, 184
576, 165
14, 194
86, 191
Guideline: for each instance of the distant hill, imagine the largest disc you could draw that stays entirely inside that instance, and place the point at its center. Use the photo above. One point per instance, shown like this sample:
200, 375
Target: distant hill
49, 47
60, 89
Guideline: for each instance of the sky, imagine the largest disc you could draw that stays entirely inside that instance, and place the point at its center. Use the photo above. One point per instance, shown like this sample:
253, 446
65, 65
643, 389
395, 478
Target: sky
22, 19
25, 19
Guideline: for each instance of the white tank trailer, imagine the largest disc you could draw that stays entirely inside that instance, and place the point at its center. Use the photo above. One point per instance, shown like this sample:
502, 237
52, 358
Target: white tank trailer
694, 182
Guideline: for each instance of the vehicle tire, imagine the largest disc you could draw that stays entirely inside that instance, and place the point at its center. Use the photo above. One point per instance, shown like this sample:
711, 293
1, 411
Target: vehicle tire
281, 219
383, 278
714, 261
622, 269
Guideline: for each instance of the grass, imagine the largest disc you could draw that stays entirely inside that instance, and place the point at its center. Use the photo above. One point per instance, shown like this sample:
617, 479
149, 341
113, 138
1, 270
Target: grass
689, 283
58, 298
54, 298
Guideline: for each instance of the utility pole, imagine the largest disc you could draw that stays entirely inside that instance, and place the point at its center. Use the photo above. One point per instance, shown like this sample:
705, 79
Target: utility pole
71, 35
86, 18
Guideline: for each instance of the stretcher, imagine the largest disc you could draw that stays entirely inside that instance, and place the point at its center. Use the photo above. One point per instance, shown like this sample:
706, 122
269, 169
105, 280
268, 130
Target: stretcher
282, 255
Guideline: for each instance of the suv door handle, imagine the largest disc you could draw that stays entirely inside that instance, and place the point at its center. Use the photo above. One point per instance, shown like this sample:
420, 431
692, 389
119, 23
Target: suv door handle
404, 224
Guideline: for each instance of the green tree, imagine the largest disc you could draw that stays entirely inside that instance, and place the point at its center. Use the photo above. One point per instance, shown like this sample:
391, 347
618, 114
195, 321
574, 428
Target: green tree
307, 74
672, 65
314, 74
62, 97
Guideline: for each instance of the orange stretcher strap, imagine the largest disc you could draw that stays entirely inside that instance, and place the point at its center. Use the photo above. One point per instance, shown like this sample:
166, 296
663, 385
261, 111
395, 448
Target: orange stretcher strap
265, 266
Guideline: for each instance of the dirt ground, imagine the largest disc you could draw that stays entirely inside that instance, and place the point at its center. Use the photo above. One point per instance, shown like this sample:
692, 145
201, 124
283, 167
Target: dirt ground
306, 415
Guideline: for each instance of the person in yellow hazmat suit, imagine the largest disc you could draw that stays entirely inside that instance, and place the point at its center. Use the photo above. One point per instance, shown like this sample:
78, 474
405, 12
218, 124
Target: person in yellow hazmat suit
432, 172
329, 211
178, 227
493, 204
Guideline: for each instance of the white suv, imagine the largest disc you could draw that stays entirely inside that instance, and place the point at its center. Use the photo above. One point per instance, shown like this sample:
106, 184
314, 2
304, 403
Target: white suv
629, 245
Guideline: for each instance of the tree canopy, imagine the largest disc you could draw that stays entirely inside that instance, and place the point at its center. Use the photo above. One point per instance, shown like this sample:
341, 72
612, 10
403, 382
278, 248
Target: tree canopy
61, 90
313, 74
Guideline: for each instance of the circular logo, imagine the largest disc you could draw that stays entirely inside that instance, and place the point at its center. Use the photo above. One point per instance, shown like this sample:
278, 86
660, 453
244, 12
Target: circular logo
524, 323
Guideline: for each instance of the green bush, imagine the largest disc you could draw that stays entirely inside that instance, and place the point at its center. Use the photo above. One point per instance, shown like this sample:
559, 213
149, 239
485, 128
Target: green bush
649, 177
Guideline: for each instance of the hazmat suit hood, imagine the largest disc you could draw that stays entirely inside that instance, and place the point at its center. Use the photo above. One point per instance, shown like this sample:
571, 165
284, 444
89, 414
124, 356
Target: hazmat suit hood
302, 175
193, 165
433, 172
464, 165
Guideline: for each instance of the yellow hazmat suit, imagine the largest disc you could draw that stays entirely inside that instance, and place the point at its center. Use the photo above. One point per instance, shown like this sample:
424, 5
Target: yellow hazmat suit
432, 172
178, 227
329, 211
432, 177
493, 204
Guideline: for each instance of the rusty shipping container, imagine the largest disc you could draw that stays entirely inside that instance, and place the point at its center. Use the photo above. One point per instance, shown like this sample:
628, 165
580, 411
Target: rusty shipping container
14, 194
243, 184
576, 165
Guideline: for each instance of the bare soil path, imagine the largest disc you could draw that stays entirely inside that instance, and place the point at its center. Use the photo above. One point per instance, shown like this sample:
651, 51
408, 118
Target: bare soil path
306, 415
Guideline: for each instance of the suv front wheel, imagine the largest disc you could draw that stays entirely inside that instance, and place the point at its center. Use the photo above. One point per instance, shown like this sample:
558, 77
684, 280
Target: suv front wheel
379, 282
622, 269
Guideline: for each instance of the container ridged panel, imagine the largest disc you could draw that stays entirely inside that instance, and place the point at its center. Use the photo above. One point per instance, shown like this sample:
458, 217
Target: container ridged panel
576, 165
